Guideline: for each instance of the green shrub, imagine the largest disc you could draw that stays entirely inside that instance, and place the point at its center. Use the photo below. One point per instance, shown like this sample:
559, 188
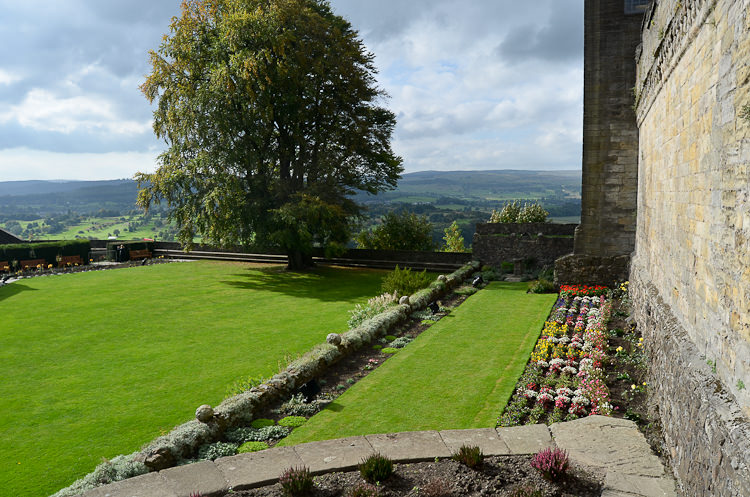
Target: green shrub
45, 250
252, 447
216, 450
470, 456
377, 347
466, 290
292, 421
296, 482
533, 213
262, 423
376, 468
246, 434
404, 281
390, 338
298, 406
542, 286
508, 214
116, 469
389, 350
400, 343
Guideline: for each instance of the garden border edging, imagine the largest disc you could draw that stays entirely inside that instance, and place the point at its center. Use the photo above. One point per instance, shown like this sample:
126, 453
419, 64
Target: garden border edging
185, 439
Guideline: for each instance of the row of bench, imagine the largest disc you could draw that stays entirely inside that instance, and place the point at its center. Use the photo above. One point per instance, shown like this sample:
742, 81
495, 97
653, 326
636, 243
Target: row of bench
65, 260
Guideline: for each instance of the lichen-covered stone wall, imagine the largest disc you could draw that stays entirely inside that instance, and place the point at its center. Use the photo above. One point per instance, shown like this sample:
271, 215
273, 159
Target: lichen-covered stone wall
692, 255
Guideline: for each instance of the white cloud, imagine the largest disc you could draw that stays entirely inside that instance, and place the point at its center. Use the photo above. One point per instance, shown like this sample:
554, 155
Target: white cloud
41, 110
7, 78
23, 163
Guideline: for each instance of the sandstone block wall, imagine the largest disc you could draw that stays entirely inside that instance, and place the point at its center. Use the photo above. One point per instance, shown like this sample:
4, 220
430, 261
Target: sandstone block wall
690, 273
610, 133
541, 243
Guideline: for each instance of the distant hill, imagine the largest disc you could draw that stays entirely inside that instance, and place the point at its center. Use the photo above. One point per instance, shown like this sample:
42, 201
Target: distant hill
35, 199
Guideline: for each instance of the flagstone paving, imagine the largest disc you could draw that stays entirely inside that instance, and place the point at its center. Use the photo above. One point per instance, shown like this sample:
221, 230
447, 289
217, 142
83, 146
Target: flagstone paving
614, 446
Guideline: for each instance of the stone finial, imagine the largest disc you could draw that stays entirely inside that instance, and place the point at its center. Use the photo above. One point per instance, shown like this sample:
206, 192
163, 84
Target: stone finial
334, 339
404, 300
442, 278
204, 413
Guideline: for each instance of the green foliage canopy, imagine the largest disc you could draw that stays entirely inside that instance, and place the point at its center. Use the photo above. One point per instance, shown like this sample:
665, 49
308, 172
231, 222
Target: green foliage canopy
271, 115
454, 240
399, 231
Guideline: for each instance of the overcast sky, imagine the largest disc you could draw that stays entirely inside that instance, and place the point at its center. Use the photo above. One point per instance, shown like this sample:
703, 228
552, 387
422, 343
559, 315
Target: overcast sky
476, 84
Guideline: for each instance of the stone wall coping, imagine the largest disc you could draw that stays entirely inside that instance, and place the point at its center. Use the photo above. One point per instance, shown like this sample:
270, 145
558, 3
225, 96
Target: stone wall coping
608, 446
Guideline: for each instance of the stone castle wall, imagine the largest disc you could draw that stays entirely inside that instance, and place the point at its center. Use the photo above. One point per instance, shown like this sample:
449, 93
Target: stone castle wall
538, 243
690, 273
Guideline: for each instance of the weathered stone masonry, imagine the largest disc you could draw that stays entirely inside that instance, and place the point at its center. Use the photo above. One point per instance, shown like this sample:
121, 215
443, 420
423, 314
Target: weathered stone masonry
610, 147
690, 272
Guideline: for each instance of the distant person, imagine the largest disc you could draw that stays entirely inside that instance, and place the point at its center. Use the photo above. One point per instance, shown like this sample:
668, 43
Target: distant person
120, 253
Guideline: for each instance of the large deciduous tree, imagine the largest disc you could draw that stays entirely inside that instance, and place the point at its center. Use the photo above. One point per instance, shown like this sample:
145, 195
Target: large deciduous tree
272, 118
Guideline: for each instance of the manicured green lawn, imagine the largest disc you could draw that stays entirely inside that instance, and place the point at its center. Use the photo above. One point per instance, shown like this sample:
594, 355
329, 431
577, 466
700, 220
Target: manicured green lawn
457, 374
96, 364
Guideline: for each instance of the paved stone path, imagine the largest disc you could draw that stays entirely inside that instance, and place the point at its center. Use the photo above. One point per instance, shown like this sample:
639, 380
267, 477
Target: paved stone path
614, 446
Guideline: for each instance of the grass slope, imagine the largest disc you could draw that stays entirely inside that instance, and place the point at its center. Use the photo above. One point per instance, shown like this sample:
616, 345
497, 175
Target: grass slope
457, 374
96, 364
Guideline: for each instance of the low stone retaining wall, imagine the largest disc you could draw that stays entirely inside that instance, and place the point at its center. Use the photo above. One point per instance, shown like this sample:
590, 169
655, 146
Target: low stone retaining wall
591, 270
704, 426
542, 243
184, 440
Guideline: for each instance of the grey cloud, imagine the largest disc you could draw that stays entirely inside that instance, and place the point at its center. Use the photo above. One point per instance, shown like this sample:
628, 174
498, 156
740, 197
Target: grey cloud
559, 39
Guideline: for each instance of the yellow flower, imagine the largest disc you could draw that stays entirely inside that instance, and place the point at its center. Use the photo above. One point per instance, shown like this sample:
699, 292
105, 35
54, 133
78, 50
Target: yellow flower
619, 349
632, 387
644, 383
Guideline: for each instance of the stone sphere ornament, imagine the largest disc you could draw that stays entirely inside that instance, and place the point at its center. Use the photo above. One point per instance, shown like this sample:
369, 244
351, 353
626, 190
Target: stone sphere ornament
204, 413
442, 278
334, 339
404, 300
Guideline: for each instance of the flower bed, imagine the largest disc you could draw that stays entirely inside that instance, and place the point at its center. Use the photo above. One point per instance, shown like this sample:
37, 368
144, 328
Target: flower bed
565, 379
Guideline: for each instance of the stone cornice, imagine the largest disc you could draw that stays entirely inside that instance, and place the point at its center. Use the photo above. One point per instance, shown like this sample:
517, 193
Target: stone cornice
668, 30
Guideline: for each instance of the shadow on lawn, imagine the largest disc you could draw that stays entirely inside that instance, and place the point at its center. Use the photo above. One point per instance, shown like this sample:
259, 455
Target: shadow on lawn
7, 291
320, 283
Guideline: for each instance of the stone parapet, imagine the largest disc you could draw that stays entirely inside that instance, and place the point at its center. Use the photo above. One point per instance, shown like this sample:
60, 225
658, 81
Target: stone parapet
704, 426
574, 269
538, 243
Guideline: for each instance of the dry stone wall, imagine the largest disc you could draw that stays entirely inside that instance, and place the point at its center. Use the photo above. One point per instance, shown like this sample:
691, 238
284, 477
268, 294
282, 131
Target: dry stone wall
690, 273
539, 243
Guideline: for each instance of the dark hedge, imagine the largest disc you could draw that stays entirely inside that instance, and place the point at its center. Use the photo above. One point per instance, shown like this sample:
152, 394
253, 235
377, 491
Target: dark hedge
45, 250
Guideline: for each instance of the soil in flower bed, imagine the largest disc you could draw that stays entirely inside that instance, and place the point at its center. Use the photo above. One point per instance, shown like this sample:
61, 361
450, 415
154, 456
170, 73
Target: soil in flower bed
498, 476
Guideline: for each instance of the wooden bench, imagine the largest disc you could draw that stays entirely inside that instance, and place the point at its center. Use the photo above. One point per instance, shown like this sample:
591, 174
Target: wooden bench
71, 260
139, 254
32, 264
4, 267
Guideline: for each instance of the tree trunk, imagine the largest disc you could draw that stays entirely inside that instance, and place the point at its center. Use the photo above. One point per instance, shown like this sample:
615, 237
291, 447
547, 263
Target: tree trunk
298, 261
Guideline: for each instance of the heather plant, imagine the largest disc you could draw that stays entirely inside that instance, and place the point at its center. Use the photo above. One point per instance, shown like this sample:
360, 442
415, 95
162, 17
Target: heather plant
405, 281
466, 290
363, 490
216, 450
389, 350
372, 308
469, 456
376, 468
551, 463
296, 482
